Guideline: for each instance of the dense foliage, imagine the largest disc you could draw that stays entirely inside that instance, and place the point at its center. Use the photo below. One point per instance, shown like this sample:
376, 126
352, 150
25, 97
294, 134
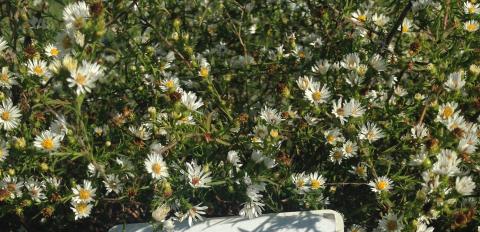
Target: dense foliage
163, 110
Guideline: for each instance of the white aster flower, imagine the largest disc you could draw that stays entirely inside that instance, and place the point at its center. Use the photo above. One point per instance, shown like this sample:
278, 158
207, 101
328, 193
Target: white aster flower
81, 209
300, 180
447, 163
7, 79
381, 184
195, 213
3, 44
378, 63
85, 193
354, 109
321, 67
47, 141
156, 166
38, 68
234, 159
52, 51
75, 15
189, 100
316, 181
391, 223
370, 132
304, 82
465, 185
113, 184
455, 82
471, 8
317, 93
360, 17
251, 209
197, 176
351, 61
9, 115
271, 116
12, 185
471, 26
35, 190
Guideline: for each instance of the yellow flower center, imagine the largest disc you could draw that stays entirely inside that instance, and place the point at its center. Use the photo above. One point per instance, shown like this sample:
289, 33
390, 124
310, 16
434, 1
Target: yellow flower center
84, 194
156, 168
315, 184
447, 112
472, 27
360, 170
337, 155
11, 187
170, 84
300, 183
4, 77
274, 133
362, 18
81, 79
349, 149
301, 54
81, 208
204, 71
317, 96
38, 70
471, 9
382, 185
54, 51
5, 115
370, 135
47, 143
330, 138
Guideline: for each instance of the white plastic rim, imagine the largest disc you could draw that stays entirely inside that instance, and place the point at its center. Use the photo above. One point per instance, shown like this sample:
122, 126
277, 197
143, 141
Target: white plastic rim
315, 220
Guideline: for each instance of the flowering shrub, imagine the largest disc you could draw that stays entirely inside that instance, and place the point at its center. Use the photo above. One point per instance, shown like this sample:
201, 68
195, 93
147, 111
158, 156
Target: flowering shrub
125, 111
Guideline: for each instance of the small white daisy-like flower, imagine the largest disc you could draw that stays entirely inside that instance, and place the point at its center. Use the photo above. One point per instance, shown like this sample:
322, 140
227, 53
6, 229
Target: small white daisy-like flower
3, 44
419, 131
113, 184
52, 51
406, 26
446, 111
370, 132
35, 190
75, 15
190, 101
317, 93
359, 170
38, 68
13, 185
349, 149
381, 184
422, 227
316, 181
234, 159
197, 176
156, 166
354, 109
336, 155
81, 209
142, 132
204, 71
447, 163
333, 136
304, 82
455, 81
7, 79
321, 67
390, 223
471, 26
170, 84
300, 180
360, 17
84, 77
471, 8
339, 110
195, 213
47, 141
59, 127
251, 209
378, 63
271, 116
9, 115
380, 20
351, 61
465, 185
84, 193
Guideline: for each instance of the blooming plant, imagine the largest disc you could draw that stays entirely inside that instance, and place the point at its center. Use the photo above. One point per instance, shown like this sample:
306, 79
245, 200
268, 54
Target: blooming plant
167, 111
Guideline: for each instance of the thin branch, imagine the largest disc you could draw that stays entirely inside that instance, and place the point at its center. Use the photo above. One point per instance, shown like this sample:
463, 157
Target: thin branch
397, 24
